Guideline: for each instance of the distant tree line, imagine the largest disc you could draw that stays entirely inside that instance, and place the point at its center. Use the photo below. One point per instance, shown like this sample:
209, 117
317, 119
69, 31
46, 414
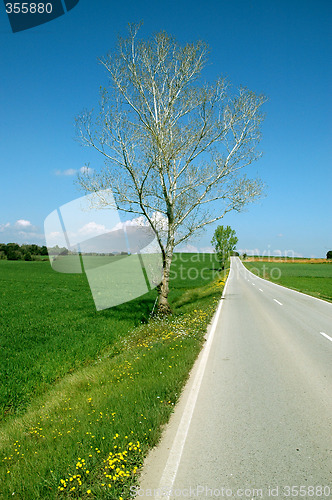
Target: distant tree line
57, 251
14, 251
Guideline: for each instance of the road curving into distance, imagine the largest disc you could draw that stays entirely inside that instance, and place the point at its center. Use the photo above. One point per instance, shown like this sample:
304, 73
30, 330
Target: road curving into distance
254, 420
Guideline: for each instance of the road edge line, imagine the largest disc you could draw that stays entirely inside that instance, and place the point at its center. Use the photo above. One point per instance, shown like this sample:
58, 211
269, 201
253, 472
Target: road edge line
172, 465
326, 336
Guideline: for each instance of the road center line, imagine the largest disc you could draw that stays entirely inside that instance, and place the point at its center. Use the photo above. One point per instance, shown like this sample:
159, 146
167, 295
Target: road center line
277, 301
327, 336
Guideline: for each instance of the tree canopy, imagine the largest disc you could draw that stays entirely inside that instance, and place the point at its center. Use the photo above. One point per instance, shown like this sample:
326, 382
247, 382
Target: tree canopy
224, 241
174, 147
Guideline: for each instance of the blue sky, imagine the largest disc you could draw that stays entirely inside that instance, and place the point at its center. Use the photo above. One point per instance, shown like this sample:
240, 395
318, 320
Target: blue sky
50, 73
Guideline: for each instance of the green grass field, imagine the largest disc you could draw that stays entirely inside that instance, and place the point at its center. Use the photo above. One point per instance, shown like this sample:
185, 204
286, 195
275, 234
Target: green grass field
313, 279
84, 394
49, 325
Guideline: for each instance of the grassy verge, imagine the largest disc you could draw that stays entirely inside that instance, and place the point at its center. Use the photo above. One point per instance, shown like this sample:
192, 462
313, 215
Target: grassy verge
313, 279
87, 435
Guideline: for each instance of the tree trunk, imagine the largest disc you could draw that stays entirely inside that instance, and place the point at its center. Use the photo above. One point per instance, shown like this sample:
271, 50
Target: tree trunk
163, 307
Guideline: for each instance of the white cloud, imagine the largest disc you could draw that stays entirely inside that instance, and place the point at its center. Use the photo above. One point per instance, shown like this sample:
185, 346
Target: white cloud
3, 227
73, 171
54, 235
93, 229
22, 231
160, 221
30, 237
69, 171
86, 170
157, 218
22, 223
138, 221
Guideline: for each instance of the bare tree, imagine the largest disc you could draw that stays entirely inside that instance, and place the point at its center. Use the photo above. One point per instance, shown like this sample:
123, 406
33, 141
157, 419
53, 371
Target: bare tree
174, 146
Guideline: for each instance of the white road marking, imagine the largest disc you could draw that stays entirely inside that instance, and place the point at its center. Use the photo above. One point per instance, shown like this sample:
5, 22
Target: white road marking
327, 336
284, 287
277, 301
260, 289
175, 454
254, 284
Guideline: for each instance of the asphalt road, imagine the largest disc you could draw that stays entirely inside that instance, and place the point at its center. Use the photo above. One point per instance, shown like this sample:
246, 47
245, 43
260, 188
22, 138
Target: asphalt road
257, 411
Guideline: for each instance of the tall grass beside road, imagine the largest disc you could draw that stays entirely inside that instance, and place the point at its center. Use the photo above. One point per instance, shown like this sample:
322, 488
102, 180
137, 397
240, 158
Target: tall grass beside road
86, 434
